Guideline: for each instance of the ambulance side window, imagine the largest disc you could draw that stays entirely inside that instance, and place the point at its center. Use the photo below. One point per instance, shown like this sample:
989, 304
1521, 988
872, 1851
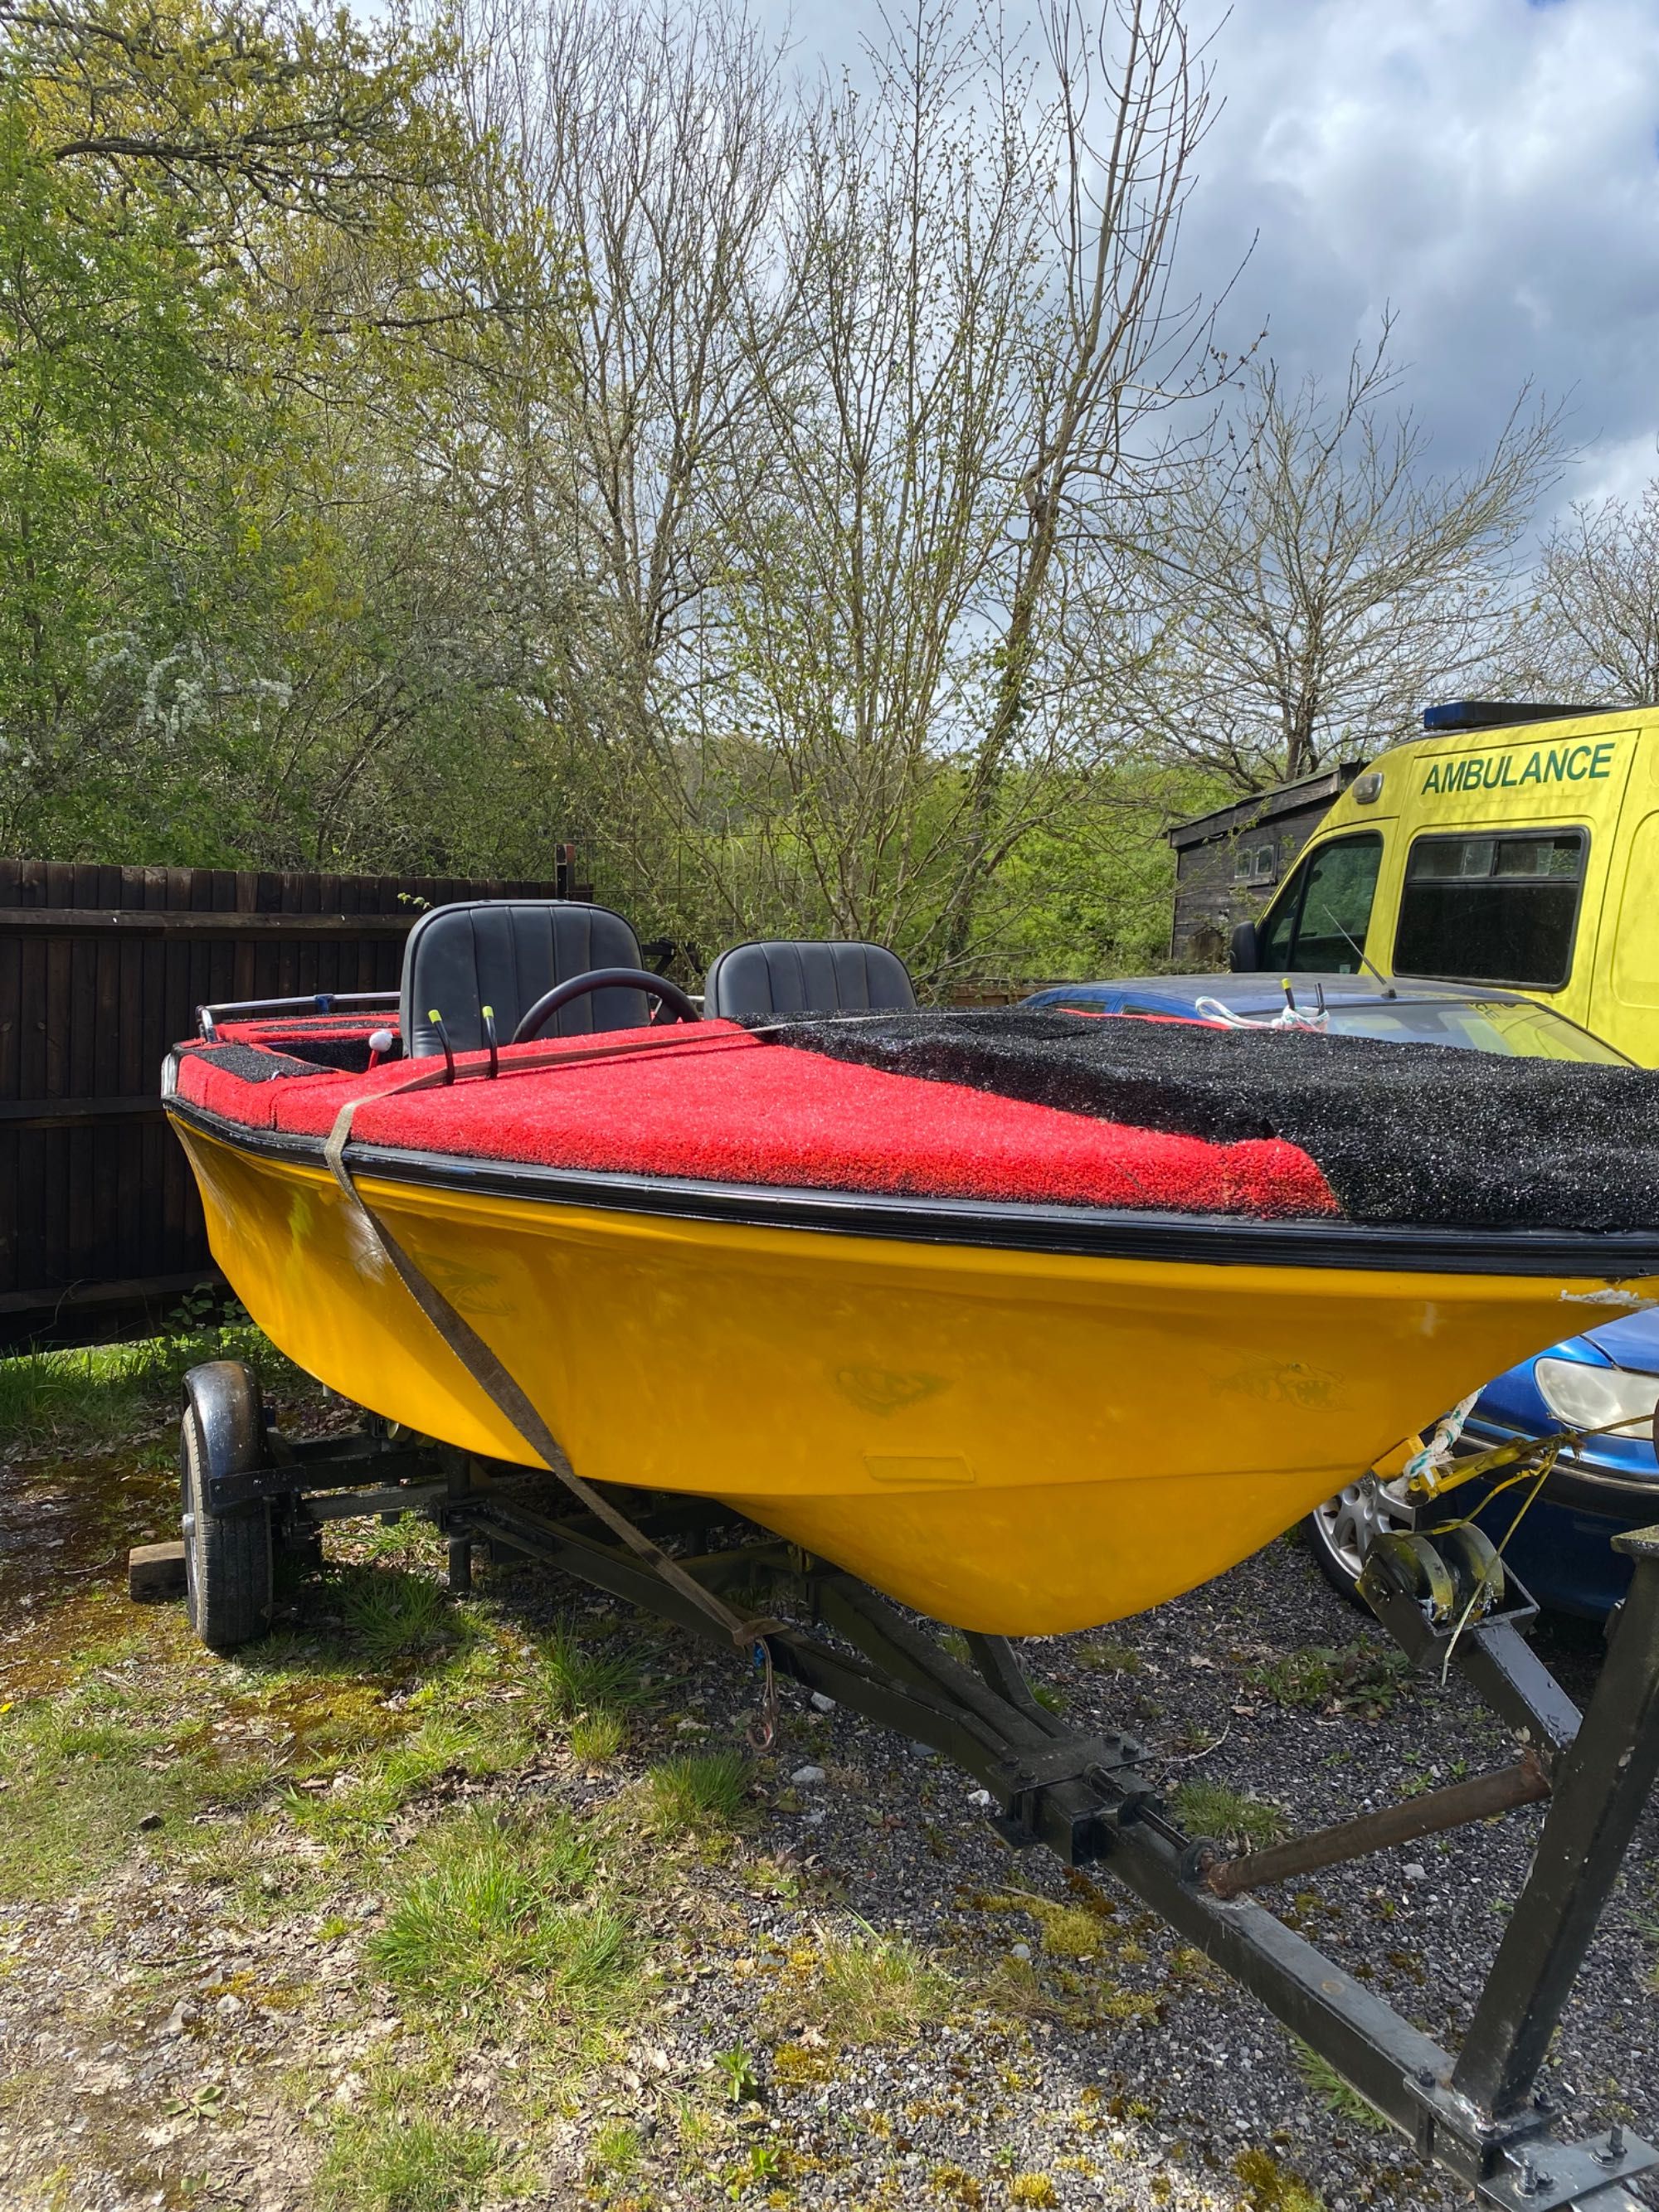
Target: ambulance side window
1493, 909
1318, 927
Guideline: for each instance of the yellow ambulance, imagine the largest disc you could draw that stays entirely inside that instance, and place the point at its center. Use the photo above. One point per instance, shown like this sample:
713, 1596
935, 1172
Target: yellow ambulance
1510, 845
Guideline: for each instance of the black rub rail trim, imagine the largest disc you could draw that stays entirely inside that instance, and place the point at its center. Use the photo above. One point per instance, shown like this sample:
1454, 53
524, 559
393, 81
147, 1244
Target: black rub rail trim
1210, 1240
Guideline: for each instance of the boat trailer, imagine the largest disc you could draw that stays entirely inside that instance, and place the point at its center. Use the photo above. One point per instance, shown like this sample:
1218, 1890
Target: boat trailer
248, 1490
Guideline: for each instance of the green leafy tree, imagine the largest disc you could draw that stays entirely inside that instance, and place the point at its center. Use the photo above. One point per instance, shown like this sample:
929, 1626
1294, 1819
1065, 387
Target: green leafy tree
261, 326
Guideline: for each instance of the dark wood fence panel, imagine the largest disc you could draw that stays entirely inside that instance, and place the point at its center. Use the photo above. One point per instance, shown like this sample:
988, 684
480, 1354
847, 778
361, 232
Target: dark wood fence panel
102, 968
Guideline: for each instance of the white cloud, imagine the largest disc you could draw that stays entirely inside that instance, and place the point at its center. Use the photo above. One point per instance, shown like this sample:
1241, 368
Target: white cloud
1487, 166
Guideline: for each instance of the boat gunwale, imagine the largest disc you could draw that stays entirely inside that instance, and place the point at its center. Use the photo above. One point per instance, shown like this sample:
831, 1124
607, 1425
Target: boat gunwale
1094, 1232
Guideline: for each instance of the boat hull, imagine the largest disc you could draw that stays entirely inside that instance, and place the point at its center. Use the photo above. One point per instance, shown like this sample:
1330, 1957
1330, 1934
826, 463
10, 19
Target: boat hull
1016, 1441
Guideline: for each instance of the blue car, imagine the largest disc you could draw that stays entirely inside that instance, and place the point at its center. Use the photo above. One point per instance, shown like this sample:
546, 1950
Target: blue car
1561, 1548
1472, 1018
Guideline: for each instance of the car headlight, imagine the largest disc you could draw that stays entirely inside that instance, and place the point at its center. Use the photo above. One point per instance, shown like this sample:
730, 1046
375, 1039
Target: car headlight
1586, 1397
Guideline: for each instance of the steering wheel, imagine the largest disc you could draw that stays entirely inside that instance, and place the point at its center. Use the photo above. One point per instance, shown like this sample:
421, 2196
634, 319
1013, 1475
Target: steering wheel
603, 979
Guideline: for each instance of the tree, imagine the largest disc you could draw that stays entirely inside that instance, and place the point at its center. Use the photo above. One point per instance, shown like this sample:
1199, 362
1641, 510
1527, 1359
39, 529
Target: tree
867, 564
235, 117
658, 139
256, 324
105, 387
1110, 350
1597, 584
1308, 585
421, 441
852, 367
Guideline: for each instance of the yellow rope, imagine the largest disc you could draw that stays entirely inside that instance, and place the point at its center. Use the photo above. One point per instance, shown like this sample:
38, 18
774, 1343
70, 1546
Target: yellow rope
1436, 1484
1432, 1483
1525, 1507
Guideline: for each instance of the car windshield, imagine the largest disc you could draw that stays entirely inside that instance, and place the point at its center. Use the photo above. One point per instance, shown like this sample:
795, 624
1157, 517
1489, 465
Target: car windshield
1516, 1029
1521, 1032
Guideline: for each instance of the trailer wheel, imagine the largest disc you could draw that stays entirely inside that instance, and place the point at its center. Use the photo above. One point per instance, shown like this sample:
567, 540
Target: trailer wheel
228, 1555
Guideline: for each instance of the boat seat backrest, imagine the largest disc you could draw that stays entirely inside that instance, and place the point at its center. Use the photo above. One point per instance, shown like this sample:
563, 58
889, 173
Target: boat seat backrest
782, 975
504, 954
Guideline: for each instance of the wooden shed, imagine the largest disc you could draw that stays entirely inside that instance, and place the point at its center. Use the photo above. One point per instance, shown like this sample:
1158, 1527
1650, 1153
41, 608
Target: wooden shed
1228, 862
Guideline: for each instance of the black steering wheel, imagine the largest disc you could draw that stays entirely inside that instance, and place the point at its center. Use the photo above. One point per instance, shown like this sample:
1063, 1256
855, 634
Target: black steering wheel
603, 979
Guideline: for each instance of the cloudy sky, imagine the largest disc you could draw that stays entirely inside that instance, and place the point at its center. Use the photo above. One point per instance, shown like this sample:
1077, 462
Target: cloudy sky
1491, 168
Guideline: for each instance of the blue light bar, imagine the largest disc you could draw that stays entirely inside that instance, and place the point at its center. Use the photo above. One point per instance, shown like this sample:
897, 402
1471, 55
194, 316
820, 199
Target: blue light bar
1494, 713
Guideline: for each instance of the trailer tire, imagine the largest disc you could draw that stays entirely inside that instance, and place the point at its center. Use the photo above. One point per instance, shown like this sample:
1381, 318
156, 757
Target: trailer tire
229, 1554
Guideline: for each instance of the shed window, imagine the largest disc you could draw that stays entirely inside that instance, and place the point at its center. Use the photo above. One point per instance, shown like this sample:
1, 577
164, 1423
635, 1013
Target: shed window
1255, 864
1499, 909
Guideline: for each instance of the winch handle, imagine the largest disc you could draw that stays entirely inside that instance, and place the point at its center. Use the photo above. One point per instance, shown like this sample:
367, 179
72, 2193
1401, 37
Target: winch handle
604, 979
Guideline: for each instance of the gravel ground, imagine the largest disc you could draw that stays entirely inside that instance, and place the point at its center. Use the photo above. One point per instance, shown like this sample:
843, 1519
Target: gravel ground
199, 2014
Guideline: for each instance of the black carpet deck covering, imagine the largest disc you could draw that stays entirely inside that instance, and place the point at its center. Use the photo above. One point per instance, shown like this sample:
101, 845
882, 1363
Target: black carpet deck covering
1403, 1133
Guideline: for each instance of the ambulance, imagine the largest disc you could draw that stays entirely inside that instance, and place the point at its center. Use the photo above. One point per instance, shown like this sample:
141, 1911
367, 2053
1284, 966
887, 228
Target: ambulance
1514, 846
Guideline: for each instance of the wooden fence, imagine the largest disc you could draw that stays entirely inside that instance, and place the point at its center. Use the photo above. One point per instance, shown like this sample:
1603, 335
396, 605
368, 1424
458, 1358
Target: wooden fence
102, 968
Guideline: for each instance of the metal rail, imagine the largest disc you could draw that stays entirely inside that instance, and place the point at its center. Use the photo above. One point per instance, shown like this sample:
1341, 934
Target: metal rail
208, 1018
1430, 1815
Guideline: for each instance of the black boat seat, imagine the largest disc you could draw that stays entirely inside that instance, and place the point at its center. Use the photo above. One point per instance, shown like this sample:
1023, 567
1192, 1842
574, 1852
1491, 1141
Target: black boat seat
785, 975
505, 954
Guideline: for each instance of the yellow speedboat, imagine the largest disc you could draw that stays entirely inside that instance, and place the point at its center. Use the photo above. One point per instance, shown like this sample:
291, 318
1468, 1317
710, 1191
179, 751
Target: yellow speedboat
1020, 1365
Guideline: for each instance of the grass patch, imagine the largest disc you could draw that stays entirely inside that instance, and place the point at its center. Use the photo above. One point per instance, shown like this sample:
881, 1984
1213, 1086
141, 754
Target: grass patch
697, 2131
1015, 1988
391, 1613
866, 1988
371, 1798
1231, 1816
613, 2158
499, 1912
596, 1738
81, 1773
89, 1400
1108, 1658
408, 1540
573, 1680
1336, 2094
396, 2161
1363, 1677
454, 1723
697, 1792
72, 1401
1018, 1989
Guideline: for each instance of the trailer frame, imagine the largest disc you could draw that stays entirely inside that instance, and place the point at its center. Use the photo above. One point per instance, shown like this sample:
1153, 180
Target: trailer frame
1087, 1797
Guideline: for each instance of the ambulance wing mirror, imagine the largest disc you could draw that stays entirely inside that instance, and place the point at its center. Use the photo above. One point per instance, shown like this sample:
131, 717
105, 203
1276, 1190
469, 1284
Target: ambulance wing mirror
1244, 957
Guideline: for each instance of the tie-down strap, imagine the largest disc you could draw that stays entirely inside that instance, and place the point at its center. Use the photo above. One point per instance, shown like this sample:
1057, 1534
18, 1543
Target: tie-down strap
512, 1403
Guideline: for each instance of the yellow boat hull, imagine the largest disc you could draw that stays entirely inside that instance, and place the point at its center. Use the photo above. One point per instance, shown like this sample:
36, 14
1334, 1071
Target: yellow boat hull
1018, 1441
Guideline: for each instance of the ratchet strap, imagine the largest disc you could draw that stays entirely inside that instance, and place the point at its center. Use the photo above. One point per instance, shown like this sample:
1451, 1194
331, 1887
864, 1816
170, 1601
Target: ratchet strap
511, 1401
